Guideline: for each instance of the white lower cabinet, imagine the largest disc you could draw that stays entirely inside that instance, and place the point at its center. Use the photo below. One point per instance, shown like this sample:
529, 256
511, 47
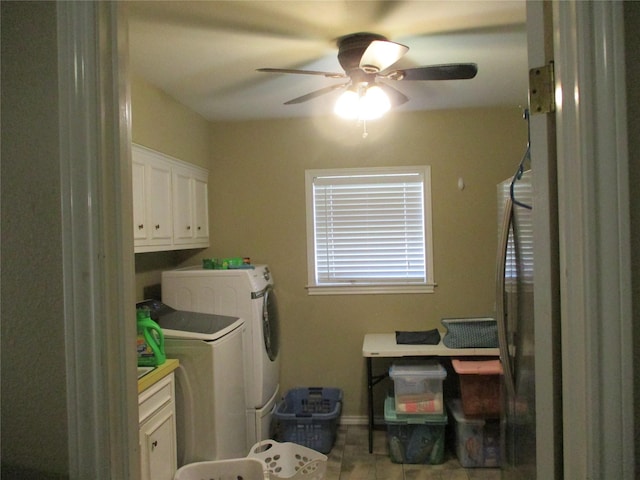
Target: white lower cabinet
157, 417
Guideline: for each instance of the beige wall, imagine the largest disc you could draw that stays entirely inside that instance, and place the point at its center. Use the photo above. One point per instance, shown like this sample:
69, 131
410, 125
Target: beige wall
257, 209
257, 205
34, 390
161, 123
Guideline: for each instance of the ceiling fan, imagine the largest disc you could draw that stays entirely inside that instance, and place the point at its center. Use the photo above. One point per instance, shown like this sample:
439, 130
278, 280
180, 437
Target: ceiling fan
366, 59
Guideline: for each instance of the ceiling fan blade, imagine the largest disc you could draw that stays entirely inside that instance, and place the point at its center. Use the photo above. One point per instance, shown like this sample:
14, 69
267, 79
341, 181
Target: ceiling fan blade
453, 71
395, 97
302, 72
315, 94
381, 54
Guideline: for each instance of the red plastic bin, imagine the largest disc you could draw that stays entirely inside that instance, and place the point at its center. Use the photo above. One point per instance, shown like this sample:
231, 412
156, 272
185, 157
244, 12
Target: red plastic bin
479, 387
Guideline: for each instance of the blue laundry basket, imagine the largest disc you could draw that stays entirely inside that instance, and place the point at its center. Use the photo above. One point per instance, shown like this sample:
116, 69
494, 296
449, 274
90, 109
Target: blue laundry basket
309, 416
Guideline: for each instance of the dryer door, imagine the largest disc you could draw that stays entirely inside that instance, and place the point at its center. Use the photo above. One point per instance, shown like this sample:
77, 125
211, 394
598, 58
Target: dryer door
270, 328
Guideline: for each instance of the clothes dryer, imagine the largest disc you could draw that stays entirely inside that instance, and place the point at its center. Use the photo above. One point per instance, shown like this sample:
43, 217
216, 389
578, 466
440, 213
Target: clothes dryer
246, 293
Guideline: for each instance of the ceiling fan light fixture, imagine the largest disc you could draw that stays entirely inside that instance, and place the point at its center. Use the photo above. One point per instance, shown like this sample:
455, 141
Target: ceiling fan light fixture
381, 54
375, 103
368, 104
347, 105
366, 57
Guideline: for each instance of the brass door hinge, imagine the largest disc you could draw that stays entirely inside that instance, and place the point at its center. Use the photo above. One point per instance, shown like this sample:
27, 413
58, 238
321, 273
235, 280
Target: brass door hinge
541, 89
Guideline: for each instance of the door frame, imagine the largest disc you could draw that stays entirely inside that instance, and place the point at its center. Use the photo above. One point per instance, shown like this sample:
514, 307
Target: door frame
594, 240
97, 240
548, 384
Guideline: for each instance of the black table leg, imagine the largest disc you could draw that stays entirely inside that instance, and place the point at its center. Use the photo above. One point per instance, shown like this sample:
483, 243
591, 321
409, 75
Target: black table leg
370, 402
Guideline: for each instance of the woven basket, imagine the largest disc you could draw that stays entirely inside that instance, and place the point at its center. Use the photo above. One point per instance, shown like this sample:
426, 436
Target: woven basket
470, 333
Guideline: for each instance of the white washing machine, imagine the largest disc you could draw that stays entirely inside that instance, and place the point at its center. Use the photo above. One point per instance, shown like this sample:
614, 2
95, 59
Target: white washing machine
210, 418
246, 293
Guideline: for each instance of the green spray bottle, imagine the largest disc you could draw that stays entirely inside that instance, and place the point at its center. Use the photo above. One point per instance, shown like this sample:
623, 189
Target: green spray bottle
150, 340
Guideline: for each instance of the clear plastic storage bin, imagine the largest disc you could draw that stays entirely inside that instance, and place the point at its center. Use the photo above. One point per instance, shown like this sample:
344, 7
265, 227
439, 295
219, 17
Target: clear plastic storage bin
477, 440
414, 438
418, 387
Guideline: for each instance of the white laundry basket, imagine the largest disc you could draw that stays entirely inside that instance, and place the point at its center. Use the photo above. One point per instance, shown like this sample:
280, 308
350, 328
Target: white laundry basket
245, 468
289, 461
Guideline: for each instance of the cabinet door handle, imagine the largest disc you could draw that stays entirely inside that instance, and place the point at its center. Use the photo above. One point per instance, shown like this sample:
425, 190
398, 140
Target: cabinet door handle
188, 227
154, 444
141, 226
157, 227
199, 227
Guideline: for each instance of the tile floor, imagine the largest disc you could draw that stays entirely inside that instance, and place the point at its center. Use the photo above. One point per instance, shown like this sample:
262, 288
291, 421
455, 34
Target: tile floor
350, 460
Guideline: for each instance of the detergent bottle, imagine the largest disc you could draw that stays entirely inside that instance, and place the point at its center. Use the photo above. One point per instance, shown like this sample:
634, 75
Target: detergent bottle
150, 340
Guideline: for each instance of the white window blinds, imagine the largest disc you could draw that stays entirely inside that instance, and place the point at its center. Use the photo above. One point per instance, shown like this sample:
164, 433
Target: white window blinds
369, 227
519, 255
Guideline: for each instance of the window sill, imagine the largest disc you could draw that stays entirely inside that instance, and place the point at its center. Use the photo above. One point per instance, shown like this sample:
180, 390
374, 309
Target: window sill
368, 289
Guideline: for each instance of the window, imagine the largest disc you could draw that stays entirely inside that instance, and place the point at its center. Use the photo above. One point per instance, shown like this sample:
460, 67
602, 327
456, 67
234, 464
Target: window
519, 261
369, 230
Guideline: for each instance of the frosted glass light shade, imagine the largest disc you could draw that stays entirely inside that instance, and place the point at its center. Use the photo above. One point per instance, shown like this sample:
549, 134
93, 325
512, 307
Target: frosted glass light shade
371, 105
374, 104
347, 105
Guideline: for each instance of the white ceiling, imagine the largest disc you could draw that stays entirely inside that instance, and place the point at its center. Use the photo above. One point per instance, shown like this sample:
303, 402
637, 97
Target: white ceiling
205, 53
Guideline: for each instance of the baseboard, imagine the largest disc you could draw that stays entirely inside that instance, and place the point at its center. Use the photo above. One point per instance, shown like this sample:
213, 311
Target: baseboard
359, 420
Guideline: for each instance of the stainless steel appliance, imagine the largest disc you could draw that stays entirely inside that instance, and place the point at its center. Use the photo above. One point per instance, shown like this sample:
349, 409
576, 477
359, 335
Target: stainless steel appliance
515, 316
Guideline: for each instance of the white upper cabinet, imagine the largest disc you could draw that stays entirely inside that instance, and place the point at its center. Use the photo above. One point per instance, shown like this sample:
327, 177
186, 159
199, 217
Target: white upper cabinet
152, 209
170, 202
191, 212
201, 186
138, 177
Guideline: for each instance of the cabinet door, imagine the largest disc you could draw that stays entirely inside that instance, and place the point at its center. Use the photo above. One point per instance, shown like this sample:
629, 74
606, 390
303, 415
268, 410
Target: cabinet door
157, 445
190, 207
159, 203
140, 224
151, 182
183, 203
201, 209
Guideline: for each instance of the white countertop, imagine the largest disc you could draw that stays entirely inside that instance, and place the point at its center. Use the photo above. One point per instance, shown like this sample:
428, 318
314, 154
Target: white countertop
384, 345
